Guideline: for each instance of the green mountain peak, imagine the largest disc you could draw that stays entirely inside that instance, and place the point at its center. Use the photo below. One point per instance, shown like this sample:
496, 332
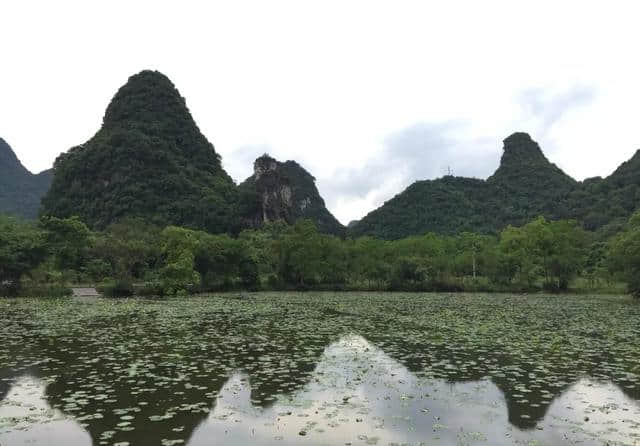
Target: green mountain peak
148, 160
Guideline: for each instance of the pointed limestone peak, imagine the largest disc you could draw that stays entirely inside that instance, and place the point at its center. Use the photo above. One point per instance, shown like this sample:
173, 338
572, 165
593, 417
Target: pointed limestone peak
520, 146
149, 160
522, 156
285, 191
148, 99
264, 164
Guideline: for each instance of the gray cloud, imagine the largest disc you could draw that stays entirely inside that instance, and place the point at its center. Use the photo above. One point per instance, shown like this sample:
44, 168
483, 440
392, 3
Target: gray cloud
420, 151
427, 150
547, 107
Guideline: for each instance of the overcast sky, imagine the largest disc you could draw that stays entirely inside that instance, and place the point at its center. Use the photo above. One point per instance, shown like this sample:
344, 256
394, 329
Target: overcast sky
368, 96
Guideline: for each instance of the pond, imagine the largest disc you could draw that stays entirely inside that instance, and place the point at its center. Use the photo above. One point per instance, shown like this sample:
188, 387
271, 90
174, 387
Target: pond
321, 369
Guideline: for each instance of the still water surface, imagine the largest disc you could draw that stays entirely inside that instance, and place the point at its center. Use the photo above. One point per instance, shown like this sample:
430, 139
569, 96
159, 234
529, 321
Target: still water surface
320, 369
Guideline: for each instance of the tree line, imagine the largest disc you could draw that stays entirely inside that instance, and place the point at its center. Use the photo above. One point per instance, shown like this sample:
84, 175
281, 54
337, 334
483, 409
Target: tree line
133, 256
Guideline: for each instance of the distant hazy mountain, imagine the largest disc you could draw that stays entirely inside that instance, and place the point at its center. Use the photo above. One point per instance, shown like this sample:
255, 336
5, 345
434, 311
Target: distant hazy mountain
524, 186
20, 190
148, 160
284, 192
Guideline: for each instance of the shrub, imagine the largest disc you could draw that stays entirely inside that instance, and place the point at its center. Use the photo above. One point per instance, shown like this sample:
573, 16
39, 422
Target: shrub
117, 288
249, 274
45, 290
152, 288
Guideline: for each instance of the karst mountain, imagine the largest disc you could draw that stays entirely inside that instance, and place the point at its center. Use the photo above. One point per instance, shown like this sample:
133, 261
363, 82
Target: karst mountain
284, 192
525, 185
148, 160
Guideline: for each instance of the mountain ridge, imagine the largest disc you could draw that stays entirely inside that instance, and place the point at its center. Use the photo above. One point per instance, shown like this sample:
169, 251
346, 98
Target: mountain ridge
524, 185
150, 160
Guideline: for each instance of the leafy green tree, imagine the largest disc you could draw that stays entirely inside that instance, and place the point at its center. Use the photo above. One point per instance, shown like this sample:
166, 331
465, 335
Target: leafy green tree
179, 274
370, 262
409, 273
552, 251
434, 252
472, 252
259, 246
335, 260
22, 248
566, 255
68, 241
217, 260
595, 268
300, 255
131, 247
196, 259
249, 273
624, 255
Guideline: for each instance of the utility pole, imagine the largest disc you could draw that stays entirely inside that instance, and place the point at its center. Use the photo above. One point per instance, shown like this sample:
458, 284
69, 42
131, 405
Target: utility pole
474, 264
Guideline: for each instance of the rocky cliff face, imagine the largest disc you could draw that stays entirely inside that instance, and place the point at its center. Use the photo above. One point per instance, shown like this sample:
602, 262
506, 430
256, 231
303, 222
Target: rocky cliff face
20, 190
284, 192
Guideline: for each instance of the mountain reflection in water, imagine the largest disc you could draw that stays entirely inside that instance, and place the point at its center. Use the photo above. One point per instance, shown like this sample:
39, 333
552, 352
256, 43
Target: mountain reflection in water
357, 394
293, 370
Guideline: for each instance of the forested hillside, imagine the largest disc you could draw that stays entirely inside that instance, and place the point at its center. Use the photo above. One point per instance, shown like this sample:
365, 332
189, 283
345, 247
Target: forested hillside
148, 160
20, 190
524, 186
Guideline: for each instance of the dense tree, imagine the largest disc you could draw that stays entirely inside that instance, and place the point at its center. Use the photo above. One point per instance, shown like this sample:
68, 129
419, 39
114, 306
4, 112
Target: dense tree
553, 251
179, 274
129, 249
22, 248
218, 259
624, 255
300, 255
370, 262
542, 254
473, 253
67, 241
196, 260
